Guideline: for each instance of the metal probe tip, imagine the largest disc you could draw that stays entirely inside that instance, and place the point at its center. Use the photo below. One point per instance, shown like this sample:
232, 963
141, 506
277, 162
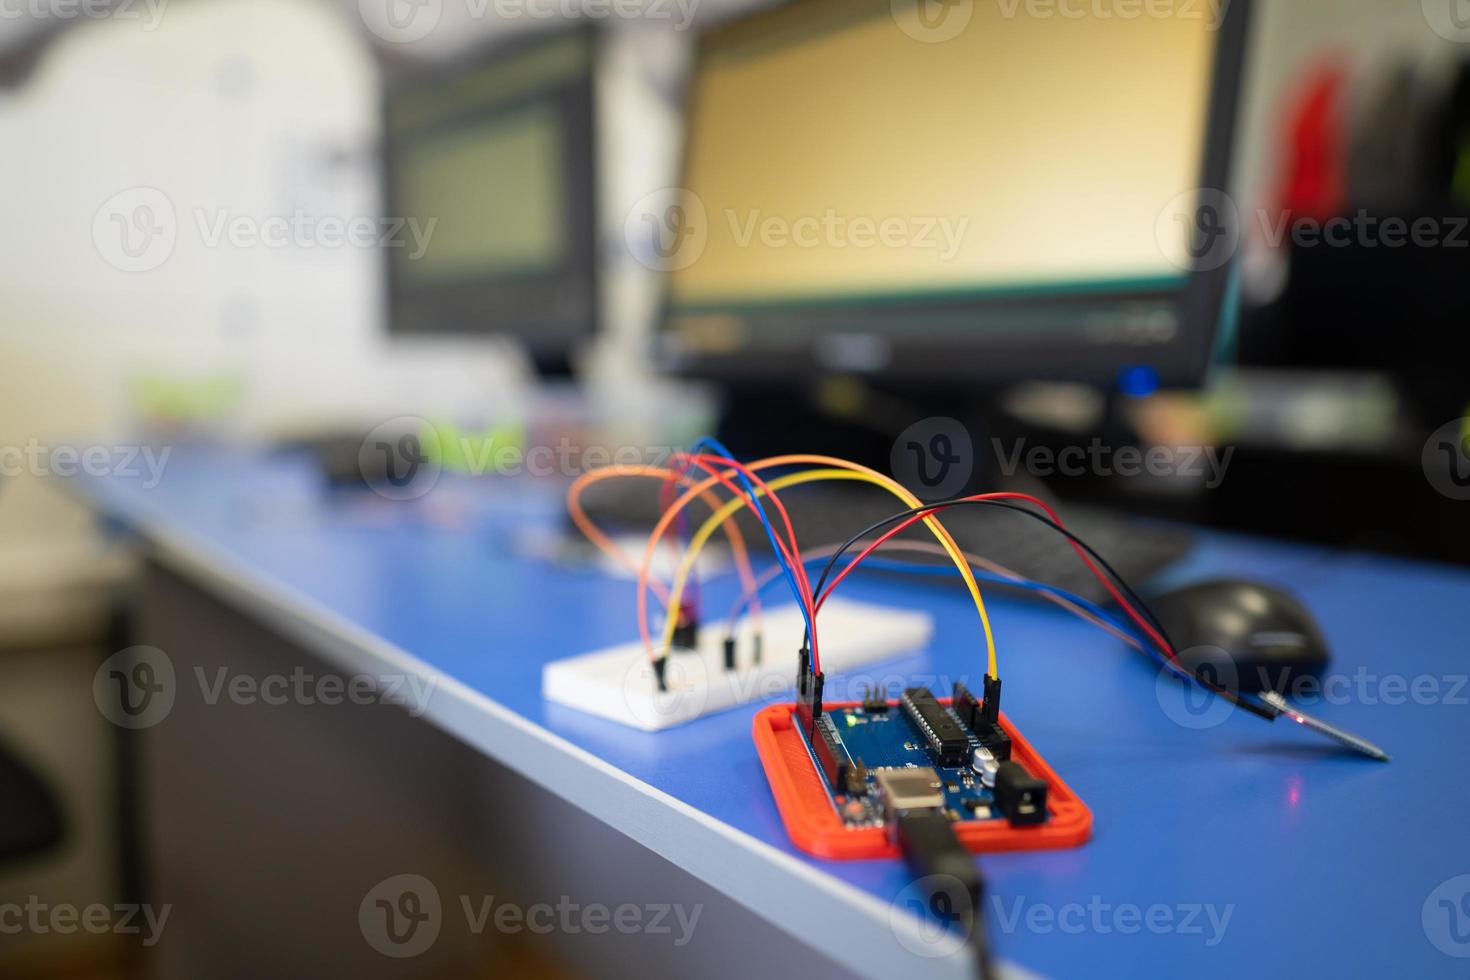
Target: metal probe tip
1354, 742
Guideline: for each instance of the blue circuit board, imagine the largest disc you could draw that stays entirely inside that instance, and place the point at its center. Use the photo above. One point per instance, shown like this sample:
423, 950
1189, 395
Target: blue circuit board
891, 739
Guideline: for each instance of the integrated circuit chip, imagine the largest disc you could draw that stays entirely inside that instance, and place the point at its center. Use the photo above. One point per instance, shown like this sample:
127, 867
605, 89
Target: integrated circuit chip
947, 740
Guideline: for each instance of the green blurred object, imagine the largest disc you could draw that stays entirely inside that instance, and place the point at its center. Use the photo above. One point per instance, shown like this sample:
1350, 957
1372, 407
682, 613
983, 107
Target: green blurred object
499, 447
175, 401
1460, 184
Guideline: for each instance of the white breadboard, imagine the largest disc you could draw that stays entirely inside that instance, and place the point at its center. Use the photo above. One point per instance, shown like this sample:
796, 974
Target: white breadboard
619, 682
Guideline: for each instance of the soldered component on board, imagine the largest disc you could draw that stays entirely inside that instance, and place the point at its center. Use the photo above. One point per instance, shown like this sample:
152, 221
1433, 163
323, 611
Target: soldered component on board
1020, 795
827, 745
909, 789
983, 718
875, 700
947, 740
857, 779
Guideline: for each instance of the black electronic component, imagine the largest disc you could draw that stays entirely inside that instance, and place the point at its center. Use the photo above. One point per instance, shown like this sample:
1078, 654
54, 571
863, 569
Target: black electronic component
486, 106
830, 754
686, 630
1020, 796
948, 742
983, 718
825, 742
808, 692
875, 700
994, 738
948, 871
991, 705
973, 715
943, 333
730, 653
966, 706
857, 779
1247, 636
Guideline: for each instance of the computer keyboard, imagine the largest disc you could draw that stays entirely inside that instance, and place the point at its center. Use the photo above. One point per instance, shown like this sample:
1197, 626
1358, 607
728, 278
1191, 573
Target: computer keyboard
829, 515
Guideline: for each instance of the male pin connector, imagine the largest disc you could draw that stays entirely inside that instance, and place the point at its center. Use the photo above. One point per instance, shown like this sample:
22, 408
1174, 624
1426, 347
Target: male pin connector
976, 718
808, 692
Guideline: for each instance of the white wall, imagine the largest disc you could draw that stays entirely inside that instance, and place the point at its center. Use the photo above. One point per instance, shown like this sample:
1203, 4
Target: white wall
245, 108
226, 105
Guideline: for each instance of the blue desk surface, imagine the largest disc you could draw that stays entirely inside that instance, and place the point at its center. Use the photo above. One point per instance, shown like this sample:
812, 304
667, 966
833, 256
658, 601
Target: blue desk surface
1324, 862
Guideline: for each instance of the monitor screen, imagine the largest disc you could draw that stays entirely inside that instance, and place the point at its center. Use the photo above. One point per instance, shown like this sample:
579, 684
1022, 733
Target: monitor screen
495, 189
497, 154
1004, 185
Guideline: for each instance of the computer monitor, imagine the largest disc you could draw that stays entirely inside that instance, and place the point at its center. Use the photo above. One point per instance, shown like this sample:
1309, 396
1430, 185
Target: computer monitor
498, 151
1010, 196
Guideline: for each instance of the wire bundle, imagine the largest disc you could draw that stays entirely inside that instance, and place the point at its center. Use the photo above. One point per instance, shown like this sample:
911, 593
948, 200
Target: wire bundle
709, 466
748, 489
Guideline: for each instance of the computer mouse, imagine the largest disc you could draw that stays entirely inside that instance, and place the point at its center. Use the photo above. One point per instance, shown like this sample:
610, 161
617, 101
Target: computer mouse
1246, 636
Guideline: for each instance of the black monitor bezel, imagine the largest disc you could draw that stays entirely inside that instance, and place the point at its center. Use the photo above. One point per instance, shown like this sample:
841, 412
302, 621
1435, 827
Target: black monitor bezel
998, 357
550, 337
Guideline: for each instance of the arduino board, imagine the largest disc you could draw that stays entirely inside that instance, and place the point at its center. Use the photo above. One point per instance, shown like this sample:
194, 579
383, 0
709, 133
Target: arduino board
840, 782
